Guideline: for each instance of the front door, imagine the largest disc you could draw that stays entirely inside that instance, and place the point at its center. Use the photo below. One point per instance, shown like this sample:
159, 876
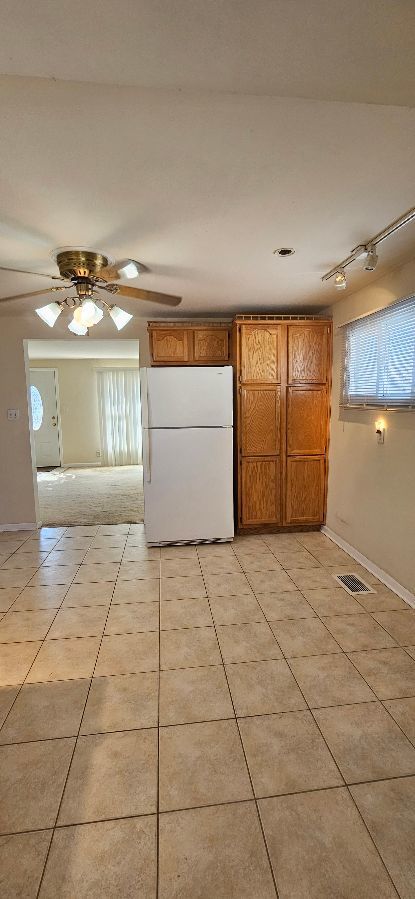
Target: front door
45, 421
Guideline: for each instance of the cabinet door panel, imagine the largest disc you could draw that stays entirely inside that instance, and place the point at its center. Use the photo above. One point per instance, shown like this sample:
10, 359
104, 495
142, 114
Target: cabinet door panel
211, 345
307, 354
305, 490
260, 413
170, 345
261, 492
306, 420
260, 354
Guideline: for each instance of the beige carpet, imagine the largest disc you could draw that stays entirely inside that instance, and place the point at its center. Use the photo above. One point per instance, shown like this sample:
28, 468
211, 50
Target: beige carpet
91, 495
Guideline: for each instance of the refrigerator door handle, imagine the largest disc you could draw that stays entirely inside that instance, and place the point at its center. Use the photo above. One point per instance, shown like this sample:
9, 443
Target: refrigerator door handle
147, 455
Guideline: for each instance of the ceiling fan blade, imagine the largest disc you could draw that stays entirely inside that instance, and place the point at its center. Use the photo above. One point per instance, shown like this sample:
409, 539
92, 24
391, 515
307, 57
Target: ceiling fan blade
22, 271
110, 273
34, 293
165, 299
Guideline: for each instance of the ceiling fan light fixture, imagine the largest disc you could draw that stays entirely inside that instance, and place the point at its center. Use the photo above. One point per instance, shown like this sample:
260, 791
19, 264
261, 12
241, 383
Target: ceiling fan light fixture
340, 281
87, 314
50, 313
98, 315
77, 329
119, 317
128, 268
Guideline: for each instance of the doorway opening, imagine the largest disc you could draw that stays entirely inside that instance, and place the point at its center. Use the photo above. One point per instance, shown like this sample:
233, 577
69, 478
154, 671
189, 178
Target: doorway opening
85, 415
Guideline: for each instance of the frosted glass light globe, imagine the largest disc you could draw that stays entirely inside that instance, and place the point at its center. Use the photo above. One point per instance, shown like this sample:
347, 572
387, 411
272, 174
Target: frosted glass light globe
86, 314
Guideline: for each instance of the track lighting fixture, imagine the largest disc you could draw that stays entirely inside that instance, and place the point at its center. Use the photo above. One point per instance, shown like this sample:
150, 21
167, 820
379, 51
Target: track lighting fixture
367, 251
340, 280
371, 260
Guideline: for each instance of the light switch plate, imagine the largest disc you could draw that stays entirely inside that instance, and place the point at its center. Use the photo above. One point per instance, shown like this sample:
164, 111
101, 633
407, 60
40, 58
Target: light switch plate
13, 414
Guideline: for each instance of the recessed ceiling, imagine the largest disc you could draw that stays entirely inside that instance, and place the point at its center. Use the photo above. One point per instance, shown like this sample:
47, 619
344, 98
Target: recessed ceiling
202, 184
80, 349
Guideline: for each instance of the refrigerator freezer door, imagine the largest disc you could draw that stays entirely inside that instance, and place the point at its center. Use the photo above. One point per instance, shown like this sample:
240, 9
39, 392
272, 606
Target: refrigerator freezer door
188, 491
187, 397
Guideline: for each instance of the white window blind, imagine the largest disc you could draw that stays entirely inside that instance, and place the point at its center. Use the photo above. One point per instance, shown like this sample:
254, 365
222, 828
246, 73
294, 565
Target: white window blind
379, 358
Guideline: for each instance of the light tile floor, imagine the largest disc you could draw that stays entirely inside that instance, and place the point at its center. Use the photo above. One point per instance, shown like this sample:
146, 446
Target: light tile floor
201, 722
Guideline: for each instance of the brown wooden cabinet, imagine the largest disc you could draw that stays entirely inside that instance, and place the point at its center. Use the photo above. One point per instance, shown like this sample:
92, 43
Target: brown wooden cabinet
210, 345
170, 345
305, 490
260, 492
308, 346
282, 380
189, 343
260, 354
306, 420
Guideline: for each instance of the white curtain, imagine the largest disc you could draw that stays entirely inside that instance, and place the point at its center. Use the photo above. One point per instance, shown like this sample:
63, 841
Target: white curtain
119, 416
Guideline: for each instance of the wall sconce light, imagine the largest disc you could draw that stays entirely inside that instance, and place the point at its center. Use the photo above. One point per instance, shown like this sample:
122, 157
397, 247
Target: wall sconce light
380, 430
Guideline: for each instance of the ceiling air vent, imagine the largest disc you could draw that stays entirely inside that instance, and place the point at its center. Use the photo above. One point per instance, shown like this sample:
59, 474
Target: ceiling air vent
353, 584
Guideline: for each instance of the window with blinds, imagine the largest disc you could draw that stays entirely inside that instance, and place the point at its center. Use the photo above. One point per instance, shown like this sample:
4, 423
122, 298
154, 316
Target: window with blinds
379, 358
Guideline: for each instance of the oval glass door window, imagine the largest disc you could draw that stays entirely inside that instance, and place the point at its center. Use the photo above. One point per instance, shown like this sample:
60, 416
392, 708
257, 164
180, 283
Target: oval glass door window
37, 407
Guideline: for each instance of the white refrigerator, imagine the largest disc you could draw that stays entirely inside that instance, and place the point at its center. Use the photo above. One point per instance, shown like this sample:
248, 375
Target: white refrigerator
187, 417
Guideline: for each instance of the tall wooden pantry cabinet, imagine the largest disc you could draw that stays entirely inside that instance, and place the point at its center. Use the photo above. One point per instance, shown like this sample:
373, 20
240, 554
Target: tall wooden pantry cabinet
282, 386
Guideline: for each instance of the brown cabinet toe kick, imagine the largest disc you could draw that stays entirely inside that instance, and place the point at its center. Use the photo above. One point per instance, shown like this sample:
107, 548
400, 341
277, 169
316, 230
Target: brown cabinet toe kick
283, 381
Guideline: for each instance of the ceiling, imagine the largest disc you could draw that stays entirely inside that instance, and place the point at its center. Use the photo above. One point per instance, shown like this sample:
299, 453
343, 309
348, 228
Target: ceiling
197, 138
82, 349
323, 50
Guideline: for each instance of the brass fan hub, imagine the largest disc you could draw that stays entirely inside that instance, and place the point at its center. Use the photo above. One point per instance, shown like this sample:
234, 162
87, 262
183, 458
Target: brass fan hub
75, 264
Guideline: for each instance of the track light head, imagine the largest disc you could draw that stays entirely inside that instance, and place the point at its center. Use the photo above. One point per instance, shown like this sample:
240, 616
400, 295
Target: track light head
340, 281
371, 260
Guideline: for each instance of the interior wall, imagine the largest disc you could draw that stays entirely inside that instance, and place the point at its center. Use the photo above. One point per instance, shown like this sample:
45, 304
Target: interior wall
78, 405
371, 492
17, 489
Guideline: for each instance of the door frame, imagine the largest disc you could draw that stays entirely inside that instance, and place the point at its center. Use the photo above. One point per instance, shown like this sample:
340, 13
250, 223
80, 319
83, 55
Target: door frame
143, 360
58, 411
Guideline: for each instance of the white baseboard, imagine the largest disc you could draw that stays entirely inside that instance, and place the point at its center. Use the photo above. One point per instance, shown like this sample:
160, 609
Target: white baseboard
23, 526
386, 579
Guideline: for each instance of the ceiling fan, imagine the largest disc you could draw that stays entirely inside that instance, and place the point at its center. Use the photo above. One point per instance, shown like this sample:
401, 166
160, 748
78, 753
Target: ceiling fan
91, 274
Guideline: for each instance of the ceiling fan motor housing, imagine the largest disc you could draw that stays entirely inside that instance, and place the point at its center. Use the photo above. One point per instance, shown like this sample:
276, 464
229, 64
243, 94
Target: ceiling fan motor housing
75, 264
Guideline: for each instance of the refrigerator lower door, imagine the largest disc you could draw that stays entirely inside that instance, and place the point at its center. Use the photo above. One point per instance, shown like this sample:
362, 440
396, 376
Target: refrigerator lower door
188, 484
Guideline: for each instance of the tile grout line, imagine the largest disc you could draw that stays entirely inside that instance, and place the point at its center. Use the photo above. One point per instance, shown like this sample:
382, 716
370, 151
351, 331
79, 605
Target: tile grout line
187, 808
53, 829
18, 694
239, 717
74, 748
242, 745
382, 701
346, 785
33, 661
